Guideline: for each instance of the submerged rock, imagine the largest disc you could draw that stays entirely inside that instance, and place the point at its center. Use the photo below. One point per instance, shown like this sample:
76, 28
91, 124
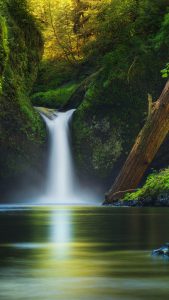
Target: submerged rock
163, 251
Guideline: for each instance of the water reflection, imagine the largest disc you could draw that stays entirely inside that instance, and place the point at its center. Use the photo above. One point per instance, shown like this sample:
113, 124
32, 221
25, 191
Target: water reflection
83, 253
61, 232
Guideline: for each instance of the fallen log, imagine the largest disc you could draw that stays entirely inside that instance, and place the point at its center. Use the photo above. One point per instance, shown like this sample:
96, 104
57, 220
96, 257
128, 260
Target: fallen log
145, 148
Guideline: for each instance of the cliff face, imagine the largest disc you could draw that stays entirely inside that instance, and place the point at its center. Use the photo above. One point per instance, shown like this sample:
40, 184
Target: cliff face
21, 129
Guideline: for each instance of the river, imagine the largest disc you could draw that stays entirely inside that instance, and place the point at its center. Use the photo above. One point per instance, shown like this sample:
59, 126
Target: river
84, 253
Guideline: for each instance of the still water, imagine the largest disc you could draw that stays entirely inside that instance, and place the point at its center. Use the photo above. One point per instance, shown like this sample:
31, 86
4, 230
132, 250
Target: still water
84, 253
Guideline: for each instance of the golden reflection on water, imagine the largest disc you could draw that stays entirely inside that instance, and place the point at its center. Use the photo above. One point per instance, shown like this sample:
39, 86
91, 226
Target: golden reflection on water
82, 253
61, 233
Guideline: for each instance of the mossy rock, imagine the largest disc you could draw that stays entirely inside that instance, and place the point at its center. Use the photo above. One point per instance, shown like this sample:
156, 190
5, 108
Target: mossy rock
22, 131
57, 98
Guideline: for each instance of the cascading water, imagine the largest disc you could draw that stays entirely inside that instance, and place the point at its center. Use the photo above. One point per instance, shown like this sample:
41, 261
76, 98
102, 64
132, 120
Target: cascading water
62, 186
61, 183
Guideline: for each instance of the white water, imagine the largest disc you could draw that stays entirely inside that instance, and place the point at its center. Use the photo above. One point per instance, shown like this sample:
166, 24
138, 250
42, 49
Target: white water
61, 183
62, 186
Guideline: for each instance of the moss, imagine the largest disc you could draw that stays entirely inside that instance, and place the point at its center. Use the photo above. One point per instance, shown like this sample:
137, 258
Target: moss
4, 50
54, 98
97, 140
156, 183
21, 47
103, 130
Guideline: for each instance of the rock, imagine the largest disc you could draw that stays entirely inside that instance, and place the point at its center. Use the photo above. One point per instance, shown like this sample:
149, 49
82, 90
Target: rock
163, 199
49, 113
163, 251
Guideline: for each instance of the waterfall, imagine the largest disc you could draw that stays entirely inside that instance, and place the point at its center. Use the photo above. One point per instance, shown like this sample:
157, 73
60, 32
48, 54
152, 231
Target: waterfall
61, 184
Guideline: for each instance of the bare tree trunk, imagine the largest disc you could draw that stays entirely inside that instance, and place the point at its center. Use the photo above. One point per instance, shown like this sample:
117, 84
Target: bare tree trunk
145, 148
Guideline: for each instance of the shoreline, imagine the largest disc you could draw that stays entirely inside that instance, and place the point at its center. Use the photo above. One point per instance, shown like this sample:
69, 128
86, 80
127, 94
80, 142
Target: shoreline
162, 200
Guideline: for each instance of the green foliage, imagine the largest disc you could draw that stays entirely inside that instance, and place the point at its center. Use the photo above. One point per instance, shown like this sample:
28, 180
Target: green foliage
67, 26
126, 44
165, 72
155, 184
130, 47
161, 39
54, 98
53, 74
4, 50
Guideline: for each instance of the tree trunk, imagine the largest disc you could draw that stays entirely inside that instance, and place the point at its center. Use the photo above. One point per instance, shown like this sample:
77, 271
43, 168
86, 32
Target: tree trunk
144, 150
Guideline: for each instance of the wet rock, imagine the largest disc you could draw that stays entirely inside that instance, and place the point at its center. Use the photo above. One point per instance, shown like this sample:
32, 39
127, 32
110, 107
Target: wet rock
160, 200
49, 113
163, 251
163, 199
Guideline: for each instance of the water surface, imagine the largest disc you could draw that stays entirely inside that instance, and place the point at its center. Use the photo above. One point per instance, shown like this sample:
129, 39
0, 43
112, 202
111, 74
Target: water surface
84, 253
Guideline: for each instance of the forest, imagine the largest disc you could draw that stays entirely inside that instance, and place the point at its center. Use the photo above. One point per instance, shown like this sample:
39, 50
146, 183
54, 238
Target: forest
84, 149
104, 58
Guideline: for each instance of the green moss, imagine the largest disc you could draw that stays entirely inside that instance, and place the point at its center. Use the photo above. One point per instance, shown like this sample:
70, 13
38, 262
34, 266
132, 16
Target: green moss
155, 184
97, 140
22, 131
4, 49
105, 120
54, 98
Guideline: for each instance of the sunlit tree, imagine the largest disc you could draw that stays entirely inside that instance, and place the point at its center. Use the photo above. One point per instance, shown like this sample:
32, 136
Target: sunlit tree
68, 26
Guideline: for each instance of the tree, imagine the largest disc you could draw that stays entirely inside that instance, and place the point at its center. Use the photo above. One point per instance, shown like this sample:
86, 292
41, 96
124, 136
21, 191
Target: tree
68, 26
